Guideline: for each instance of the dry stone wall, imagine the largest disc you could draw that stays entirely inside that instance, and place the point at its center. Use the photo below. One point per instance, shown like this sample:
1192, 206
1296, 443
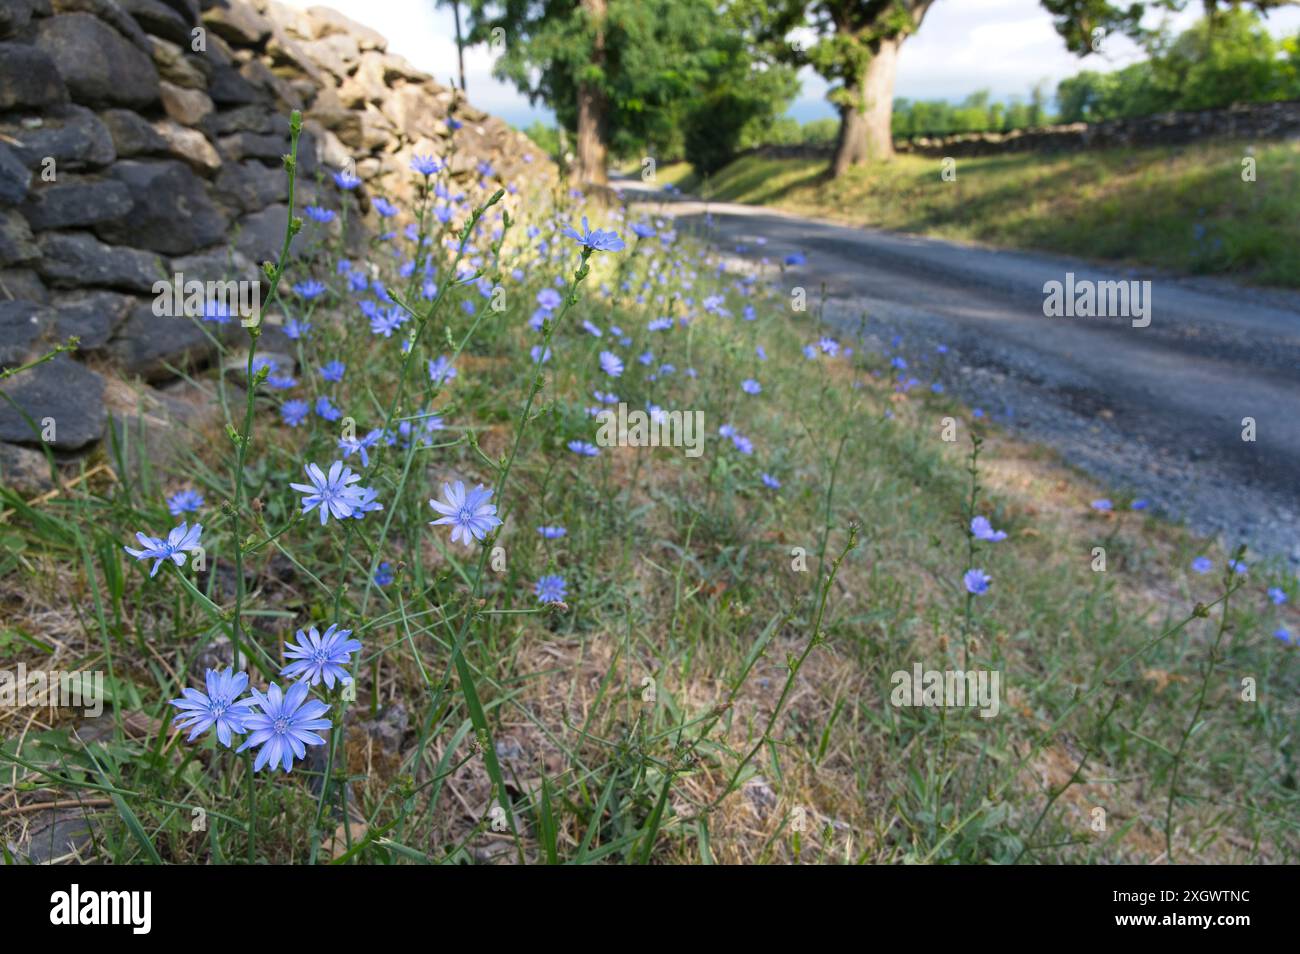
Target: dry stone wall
1263, 121
141, 138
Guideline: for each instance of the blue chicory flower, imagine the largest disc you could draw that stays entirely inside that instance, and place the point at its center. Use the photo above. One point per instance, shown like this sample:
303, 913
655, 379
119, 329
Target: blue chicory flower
220, 706
320, 657
294, 412
599, 240
981, 529
182, 539
287, 723
184, 501
550, 589
333, 493
611, 364
468, 512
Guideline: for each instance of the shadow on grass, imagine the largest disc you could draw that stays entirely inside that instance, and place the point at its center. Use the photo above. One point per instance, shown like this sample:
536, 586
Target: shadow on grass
763, 182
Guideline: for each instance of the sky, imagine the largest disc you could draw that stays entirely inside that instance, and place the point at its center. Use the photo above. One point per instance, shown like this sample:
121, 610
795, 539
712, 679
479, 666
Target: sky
1005, 46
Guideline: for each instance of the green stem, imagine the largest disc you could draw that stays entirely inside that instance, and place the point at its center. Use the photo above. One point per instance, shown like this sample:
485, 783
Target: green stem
244, 438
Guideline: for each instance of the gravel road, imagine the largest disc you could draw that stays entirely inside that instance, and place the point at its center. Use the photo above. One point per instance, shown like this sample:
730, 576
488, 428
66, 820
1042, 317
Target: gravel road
1155, 410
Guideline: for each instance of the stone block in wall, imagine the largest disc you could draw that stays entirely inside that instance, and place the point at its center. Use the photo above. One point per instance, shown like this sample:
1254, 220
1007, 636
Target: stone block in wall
306, 90
29, 78
78, 260
377, 131
287, 57
408, 109
237, 23
29, 329
260, 75
109, 12
73, 136
26, 471
172, 212
396, 67
189, 9
308, 160
147, 344
23, 325
187, 106
15, 177
461, 163
159, 19
325, 22
63, 390
17, 245
98, 66
329, 149
74, 201
345, 124
366, 85
250, 185
285, 17
228, 88
261, 234
375, 76
467, 113
217, 263
132, 134
338, 54
177, 66
244, 145
93, 316
250, 119
226, 85
22, 283
369, 167
190, 146
360, 130
16, 14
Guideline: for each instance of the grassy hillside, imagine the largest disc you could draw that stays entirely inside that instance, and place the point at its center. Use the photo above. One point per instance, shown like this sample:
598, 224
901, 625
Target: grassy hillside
712, 677
1185, 209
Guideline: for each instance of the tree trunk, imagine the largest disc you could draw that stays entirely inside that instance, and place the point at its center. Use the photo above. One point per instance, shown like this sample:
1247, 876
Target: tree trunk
865, 133
460, 45
593, 153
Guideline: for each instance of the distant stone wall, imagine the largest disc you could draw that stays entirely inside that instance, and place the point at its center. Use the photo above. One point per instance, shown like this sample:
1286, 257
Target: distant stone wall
1250, 121
139, 138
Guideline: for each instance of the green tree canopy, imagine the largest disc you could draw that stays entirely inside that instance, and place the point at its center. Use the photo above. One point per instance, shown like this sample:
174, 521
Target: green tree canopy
1220, 60
643, 63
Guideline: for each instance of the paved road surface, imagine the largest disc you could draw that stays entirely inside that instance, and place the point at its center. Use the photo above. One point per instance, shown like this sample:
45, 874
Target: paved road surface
1157, 410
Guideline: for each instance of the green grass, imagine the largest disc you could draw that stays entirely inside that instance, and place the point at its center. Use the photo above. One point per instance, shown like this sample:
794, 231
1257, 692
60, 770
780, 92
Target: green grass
1181, 208
716, 687
669, 173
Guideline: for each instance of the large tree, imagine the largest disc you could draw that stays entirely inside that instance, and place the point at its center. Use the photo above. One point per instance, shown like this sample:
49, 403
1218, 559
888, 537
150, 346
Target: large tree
858, 50
854, 48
